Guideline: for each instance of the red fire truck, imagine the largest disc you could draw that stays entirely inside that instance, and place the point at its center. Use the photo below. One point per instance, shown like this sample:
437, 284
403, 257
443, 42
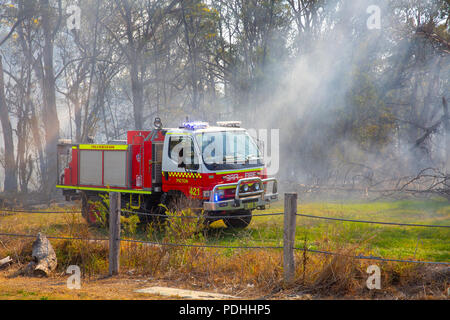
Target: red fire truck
219, 167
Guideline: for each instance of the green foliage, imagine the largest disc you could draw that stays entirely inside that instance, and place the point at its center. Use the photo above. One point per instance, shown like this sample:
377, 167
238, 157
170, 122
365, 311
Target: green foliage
129, 224
181, 228
372, 123
101, 211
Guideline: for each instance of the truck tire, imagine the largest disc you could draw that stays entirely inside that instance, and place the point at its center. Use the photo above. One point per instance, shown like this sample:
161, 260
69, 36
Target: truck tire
152, 206
239, 222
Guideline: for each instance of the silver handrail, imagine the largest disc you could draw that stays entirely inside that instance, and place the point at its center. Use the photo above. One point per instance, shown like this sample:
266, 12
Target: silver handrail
238, 184
275, 184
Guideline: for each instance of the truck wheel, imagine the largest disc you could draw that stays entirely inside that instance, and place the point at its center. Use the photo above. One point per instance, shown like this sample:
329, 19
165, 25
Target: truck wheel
152, 206
239, 222
158, 219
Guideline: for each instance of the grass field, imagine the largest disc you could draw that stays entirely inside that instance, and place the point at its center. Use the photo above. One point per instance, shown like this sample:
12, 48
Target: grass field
398, 242
252, 272
422, 243
380, 240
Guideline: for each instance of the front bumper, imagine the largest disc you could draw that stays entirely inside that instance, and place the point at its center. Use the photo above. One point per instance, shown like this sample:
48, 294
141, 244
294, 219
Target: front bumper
248, 201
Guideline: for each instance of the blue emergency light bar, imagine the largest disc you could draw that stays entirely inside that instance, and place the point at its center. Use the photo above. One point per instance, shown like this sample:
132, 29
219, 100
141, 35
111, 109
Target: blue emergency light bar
195, 125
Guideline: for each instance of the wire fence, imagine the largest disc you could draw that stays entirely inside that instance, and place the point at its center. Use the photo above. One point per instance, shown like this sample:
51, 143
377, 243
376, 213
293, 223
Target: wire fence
169, 244
218, 217
282, 213
373, 222
152, 214
33, 212
20, 235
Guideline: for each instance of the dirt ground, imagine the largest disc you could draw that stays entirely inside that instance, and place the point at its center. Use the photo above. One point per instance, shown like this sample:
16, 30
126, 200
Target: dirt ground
55, 288
122, 287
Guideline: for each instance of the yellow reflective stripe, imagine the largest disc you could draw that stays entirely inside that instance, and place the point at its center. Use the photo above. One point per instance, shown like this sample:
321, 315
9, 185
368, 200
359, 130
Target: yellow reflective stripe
228, 187
104, 189
191, 175
103, 147
239, 171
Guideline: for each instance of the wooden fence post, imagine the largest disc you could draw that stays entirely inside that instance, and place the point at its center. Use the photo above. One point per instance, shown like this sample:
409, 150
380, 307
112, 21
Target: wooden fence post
114, 232
290, 212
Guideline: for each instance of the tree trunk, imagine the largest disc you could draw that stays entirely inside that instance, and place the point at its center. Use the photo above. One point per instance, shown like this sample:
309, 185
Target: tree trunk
32, 63
34, 124
447, 136
77, 112
137, 89
10, 165
21, 149
192, 55
50, 116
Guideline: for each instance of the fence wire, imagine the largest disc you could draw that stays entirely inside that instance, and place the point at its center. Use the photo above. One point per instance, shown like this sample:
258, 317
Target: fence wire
30, 211
281, 247
361, 257
143, 213
282, 213
154, 243
372, 222
20, 235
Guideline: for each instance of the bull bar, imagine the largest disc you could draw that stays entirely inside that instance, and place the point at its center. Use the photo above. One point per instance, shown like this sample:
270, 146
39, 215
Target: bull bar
243, 200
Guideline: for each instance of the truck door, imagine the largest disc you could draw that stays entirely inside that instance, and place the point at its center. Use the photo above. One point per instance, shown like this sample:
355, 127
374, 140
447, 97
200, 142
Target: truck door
180, 171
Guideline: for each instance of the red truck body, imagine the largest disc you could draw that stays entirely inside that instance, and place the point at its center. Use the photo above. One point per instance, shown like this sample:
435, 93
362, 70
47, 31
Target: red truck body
142, 170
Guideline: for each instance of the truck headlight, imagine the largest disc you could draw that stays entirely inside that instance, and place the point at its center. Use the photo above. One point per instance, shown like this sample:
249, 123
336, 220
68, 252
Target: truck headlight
256, 186
245, 187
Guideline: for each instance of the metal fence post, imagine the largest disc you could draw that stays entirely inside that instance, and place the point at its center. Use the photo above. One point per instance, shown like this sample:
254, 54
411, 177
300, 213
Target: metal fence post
114, 232
290, 212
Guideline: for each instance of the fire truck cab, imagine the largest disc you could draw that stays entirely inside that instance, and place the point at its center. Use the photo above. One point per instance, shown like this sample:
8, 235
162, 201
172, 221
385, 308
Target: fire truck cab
218, 169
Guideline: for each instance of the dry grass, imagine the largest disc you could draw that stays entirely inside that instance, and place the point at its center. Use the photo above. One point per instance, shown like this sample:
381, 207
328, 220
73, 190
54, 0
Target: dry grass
241, 272
256, 273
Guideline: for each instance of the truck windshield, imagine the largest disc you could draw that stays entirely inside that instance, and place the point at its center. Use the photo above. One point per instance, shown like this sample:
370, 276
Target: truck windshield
229, 149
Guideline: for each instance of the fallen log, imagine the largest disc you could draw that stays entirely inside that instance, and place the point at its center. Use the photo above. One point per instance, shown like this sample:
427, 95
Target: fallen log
44, 258
5, 262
